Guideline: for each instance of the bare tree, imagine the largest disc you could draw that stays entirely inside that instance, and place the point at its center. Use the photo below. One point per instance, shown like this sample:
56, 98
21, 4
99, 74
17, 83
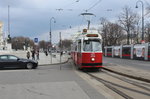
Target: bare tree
147, 32
104, 23
42, 45
147, 9
20, 42
114, 34
128, 20
148, 24
66, 44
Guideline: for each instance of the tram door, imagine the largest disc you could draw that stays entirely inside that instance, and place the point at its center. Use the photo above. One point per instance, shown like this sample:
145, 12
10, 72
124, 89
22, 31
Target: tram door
109, 52
126, 52
79, 54
149, 52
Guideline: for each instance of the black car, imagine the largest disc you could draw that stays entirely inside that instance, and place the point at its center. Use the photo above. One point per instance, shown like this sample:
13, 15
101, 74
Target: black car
14, 61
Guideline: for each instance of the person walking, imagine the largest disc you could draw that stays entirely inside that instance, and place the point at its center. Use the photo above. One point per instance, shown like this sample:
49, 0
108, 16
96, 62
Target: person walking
37, 54
33, 54
46, 53
28, 55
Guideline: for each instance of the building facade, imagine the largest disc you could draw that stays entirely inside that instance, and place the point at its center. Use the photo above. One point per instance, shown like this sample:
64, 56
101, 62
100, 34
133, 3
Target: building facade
1, 36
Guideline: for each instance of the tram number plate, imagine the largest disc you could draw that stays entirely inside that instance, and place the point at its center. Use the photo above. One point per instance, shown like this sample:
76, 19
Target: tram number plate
92, 55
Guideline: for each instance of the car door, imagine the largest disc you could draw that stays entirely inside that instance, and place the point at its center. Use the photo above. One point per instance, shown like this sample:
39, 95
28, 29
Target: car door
13, 61
3, 61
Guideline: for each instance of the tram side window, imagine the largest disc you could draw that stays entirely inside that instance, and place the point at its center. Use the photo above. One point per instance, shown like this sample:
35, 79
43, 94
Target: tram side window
109, 50
126, 50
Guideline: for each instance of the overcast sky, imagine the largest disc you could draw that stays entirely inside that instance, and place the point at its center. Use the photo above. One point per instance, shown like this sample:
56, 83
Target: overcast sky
31, 18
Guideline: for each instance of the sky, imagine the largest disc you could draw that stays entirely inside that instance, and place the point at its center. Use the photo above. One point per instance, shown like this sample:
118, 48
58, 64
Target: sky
31, 18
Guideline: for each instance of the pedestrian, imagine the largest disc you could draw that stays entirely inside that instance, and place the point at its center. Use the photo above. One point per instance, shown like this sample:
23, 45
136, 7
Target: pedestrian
37, 54
46, 53
28, 55
33, 54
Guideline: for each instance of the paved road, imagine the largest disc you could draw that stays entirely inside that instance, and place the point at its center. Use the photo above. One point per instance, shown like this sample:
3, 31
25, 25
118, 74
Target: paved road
144, 65
45, 82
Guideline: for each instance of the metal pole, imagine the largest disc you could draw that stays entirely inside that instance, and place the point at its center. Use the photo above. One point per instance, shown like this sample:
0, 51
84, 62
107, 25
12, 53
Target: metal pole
142, 21
50, 34
9, 38
8, 21
142, 17
88, 24
60, 49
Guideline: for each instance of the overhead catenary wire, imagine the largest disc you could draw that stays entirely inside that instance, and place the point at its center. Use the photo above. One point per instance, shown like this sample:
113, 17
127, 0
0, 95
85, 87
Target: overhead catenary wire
93, 5
67, 5
147, 8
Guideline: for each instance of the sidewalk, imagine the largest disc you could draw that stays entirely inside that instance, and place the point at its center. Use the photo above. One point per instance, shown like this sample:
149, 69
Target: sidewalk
129, 71
43, 59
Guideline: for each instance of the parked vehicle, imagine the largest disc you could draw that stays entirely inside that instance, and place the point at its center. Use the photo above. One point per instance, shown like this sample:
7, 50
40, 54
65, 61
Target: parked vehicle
133, 51
12, 61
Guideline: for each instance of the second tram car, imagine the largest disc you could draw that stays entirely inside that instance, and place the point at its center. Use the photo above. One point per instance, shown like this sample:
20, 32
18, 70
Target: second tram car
87, 50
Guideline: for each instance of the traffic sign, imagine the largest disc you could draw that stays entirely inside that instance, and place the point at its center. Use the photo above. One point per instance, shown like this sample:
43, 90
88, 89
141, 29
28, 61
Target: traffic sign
36, 40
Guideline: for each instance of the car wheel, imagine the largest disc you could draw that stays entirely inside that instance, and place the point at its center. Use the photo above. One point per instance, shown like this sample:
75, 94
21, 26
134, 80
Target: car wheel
29, 66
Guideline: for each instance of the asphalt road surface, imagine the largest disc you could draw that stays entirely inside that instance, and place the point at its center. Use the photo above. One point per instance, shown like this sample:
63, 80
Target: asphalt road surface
45, 82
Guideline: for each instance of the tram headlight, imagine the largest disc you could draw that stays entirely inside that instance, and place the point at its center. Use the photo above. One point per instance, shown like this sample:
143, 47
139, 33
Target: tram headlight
92, 59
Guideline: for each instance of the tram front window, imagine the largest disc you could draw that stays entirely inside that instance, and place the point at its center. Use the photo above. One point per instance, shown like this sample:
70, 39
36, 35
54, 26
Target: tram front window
92, 46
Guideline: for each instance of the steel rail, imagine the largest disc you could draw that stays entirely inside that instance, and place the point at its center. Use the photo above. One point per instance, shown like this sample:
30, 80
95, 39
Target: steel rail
131, 82
108, 84
129, 76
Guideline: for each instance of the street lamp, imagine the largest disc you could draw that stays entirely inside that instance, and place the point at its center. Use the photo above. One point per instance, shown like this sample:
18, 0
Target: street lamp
50, 34
142, 17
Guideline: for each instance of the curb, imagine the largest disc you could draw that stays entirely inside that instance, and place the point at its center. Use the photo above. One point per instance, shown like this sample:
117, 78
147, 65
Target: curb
126, 75
55, 63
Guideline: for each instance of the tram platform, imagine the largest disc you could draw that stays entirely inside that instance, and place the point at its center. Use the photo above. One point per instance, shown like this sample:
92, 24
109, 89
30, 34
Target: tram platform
129, 71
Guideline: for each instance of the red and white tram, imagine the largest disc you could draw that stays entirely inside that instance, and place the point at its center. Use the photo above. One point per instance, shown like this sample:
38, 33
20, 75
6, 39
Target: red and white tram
87, 50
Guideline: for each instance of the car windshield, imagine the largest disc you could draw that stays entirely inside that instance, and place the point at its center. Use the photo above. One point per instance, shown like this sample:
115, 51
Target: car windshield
92, 45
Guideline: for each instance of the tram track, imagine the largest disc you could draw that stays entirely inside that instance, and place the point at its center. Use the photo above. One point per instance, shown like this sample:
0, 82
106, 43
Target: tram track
127, 75
117, 84
135, 90
107, 84
135, 83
